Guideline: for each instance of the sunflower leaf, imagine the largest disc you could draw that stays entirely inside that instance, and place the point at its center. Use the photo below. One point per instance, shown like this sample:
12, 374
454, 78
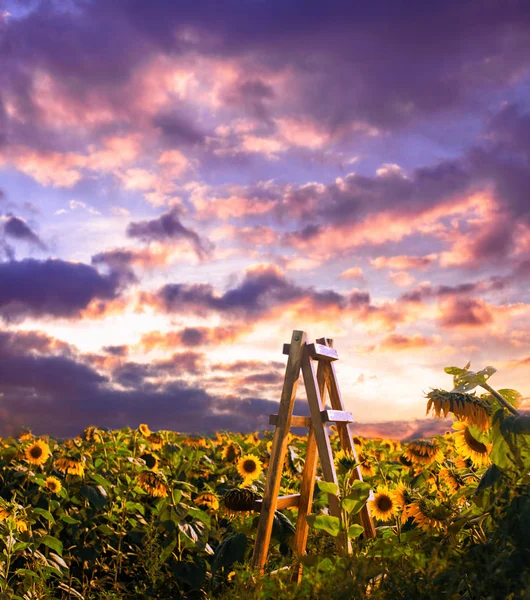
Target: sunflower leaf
229, 551
328, 487
326, 523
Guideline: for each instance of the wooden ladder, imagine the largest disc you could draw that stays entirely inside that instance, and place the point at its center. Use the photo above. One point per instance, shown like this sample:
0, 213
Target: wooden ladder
301, 357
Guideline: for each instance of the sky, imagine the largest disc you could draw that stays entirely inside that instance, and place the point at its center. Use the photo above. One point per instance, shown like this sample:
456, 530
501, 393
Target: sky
184, 183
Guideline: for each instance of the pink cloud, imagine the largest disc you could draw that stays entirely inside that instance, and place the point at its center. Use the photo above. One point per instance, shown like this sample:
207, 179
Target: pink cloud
352, 273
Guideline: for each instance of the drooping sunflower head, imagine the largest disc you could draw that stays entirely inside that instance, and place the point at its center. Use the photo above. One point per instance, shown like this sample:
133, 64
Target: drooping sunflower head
231, 452
92, 434
37, 452
468, 446
25, 435
240, 500
71, 465
207, 500
53, 484
403, 496
195, 441
466, 407
384, 505
143, 428
153, 484
428, 514
451, 479
249, 467
423, 452
151, 461
358, 442
367, 467
345, 461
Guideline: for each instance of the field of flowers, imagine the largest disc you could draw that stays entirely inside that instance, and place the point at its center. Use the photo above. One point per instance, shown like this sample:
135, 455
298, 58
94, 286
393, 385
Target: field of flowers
142, 514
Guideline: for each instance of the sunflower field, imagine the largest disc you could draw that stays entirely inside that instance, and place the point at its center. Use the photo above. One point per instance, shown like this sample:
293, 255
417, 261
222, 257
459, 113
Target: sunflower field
139, 514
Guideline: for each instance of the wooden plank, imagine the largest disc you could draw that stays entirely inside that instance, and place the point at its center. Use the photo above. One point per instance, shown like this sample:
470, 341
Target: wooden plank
347, 444
322, 437
296, 421
319, 351
336, 416
279, 448
282, 502
308, 484
286, 349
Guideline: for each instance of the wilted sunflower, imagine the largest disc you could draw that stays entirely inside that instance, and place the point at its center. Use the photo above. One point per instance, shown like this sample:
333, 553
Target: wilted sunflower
469, 447
403, 497
144, 430
38, 452
240, 500
466, 407
383, 506
231, 452
53, 484
151, 461
207, 500
451, 479
152, 484
156, 441
92, 434
70, 466
423, 452
249, 467
428, 514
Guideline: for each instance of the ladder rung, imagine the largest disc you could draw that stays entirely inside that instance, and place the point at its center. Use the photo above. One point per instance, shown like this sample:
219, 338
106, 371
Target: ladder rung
316, 351
282, 502
296, 421
336, 416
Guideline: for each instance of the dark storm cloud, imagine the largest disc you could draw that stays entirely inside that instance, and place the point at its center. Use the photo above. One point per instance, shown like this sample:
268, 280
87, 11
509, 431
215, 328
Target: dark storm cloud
52, 288
166, 229
365, 57
259, 291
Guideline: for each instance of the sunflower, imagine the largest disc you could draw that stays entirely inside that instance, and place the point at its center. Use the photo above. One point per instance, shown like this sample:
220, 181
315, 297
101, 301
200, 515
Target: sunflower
428, 514
249, 467
151, 461
406, 462
152, 484
383, 506
208, 501
25, 435
357, 441
403, 498
144, 430
466, 407
53, 484
469, 447
345, 461
21, 525
38, 452
367, 468
451, 479
423, 452
92, 434
71, 466
240, 500
4, 513
155, 441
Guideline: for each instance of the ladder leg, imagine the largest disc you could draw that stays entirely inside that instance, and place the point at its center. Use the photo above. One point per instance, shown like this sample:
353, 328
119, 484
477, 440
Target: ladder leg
347, 444
308, 484
278, 451
322, 438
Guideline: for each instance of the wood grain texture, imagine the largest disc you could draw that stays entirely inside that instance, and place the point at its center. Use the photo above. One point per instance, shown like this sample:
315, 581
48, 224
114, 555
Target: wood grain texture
279, 447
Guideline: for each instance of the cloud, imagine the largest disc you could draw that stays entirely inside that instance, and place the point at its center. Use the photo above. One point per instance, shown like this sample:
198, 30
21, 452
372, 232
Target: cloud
168, 229
17, 229
192, 336
51, 288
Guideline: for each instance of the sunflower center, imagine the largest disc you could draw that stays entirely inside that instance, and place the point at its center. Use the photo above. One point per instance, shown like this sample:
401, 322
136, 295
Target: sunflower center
384, 503
474, 444
231, 453
249, 466
36, 452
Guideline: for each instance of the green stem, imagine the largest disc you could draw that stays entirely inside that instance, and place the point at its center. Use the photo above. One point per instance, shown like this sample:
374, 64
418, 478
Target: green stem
502, 400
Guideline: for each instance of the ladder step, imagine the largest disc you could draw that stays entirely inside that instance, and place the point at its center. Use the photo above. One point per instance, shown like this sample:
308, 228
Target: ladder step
282, 502
317, 351
328, 416
336, 416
